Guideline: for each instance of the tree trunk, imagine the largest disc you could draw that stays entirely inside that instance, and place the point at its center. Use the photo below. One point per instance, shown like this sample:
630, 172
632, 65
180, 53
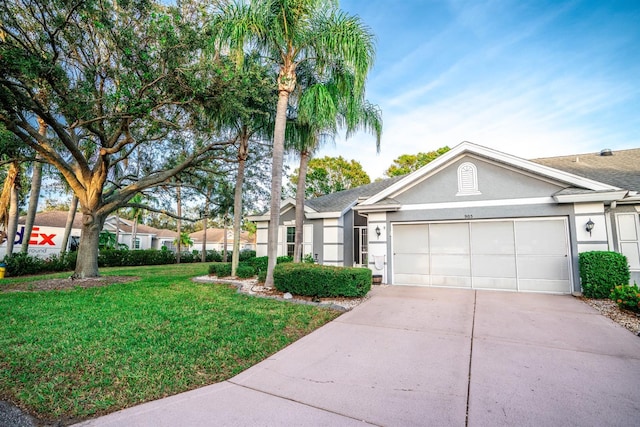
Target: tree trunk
302, 179
224, 237
179, 221
5, 197
69, 224
34, 195
134, 231
276, 183
203, 255
117, 227
14, 213
87, 263
243, 152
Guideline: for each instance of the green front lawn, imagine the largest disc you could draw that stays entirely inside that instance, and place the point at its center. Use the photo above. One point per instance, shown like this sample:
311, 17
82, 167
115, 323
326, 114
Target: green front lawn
83, 352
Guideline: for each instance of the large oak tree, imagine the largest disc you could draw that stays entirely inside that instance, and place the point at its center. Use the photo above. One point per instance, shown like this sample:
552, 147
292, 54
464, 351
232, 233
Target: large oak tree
120, 79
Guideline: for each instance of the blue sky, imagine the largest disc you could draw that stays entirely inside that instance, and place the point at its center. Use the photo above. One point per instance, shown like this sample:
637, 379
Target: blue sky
530, 78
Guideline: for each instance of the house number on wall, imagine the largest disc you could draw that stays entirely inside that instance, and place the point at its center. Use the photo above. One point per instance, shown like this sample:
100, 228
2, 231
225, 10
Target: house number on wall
468, 216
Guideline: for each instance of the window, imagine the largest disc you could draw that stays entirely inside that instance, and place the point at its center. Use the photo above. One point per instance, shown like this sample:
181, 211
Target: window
136, 244
291, 239
467, 180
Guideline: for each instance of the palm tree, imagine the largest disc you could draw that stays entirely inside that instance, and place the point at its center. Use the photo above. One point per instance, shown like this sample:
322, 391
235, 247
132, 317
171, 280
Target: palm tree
324, 107
291, 32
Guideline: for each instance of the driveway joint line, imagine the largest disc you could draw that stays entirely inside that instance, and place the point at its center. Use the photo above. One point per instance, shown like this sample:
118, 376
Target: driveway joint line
473, 325
303, 403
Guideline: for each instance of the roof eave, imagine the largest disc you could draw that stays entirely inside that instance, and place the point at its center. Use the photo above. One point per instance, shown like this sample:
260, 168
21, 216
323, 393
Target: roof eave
377, 208
610, 196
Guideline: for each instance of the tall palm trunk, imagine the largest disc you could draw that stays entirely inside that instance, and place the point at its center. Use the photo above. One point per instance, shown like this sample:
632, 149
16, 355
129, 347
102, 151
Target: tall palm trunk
203, 255
69, 224
243, 152
302, 180
14, 212
276, 179
5, 196
134, 230
179, 211
224, 236
117, 227
34, 195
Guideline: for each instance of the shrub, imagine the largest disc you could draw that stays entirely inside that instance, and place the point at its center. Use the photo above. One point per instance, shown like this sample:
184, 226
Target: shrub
321, 280
213, 256
246, 254
20, 264
309, 259
627, 296
220, 269
245, 271
600, 271
260, 263
262, 275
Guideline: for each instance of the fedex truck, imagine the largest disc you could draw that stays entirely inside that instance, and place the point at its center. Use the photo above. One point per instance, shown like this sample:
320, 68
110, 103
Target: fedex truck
43, 241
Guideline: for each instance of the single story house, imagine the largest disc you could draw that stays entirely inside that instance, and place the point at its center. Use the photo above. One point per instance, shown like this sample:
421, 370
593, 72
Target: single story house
215, 239
478, 218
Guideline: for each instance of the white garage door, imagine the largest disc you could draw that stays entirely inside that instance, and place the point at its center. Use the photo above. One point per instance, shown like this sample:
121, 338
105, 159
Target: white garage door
518, 255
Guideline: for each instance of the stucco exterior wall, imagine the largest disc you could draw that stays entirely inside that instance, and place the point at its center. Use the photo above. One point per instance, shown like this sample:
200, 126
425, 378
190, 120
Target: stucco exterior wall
495, 182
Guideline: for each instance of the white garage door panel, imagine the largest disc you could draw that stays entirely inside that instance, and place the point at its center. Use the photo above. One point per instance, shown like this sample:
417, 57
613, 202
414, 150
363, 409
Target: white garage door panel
544, 268
499, 283
412, 264
412, 279
411, 238
451, 281
450, 265
522, 254
492, 237
541, 237
449, 238
494, 266
537, 285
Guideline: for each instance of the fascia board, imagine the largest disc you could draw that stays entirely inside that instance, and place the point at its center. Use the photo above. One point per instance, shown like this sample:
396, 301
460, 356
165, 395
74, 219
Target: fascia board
591, 197
319, 215
377, 208
468, 147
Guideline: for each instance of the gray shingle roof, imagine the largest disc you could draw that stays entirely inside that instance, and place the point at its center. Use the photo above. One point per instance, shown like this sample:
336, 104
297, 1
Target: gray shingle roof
622, 169
337, 202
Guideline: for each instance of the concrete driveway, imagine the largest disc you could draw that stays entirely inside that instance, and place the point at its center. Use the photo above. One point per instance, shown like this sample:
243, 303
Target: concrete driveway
430, 357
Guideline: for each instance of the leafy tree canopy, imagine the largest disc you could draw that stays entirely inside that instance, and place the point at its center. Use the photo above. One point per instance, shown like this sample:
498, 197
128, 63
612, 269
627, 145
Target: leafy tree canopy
330, 174
122, 87
408, 163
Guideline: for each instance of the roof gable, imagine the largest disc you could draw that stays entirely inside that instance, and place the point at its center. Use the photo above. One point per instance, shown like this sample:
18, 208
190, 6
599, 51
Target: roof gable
466, 148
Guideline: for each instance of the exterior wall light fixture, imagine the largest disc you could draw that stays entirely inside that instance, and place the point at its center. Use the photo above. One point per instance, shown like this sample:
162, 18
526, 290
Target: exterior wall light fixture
378, 231
589, 226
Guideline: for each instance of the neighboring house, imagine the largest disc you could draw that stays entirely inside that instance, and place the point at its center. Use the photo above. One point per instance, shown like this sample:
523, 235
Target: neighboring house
48, 231
215, 240
478, 218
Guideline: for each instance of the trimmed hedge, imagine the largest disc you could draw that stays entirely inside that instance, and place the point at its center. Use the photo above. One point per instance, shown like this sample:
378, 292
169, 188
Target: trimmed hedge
20, 264
322, 280
223, 269
601, 271
129, 258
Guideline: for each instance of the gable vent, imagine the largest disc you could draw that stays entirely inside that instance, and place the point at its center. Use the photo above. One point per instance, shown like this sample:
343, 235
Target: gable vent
606, 152
467, 180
